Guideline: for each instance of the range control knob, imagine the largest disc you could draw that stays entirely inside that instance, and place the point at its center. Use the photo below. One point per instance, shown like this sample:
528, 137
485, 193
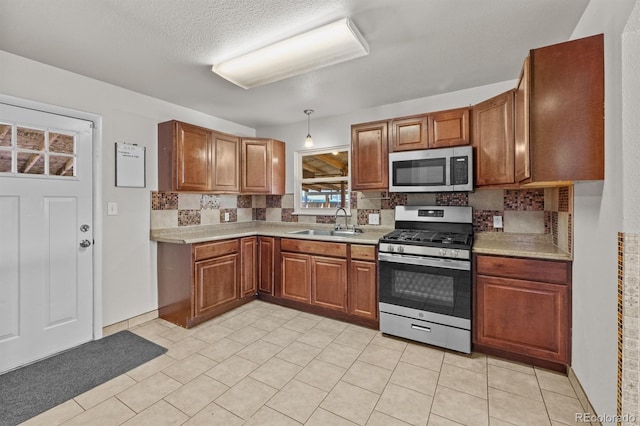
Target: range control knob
400, 249
390, 248
454, 253
443, 252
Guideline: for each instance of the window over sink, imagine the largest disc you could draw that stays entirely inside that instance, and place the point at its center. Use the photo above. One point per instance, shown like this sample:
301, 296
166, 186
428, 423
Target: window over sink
322, 180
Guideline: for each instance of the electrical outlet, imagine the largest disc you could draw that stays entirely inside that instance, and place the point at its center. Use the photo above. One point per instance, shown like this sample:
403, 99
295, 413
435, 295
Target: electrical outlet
226, 216
497, 221
112, 208
374, 219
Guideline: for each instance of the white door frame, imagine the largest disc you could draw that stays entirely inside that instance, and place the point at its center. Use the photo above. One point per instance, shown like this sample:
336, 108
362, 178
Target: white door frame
97, 193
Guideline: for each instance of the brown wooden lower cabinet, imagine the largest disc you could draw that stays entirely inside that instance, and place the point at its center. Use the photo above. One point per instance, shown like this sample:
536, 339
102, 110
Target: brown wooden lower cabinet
332, 279
266, 259
296, 277
248, 254
329, 282
522, 309
197, 282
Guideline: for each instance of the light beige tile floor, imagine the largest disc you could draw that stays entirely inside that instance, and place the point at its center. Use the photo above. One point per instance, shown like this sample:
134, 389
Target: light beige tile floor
263, 364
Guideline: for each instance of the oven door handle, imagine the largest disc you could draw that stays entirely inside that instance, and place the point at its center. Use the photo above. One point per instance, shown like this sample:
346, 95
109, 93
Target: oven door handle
464, 265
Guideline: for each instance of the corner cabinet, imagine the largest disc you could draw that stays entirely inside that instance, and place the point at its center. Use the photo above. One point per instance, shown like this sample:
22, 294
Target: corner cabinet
197, 282
562, 86
184, 157
370, 156
493, 140
263, 166
522, 309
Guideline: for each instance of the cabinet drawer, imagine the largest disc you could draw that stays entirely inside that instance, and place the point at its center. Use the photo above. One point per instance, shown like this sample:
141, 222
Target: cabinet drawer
220, 248
314, 247
362, 252
527, 269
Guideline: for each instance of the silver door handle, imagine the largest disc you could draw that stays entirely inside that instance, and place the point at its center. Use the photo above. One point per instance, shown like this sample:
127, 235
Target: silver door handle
417, 327
84, 228
85, 243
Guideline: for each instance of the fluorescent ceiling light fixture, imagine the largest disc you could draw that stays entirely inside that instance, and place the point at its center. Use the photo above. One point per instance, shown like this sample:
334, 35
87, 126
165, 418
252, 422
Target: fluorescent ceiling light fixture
337, 42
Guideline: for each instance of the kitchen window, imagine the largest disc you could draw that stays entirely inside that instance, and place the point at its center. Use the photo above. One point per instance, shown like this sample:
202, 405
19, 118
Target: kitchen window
322, 180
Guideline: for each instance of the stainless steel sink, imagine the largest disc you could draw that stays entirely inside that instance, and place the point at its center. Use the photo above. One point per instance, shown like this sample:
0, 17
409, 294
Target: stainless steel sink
328, 232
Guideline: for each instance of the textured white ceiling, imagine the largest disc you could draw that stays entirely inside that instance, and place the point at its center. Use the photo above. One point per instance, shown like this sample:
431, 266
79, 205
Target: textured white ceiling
165, 48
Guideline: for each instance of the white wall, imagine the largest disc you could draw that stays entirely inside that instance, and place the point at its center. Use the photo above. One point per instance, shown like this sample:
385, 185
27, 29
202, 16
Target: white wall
128, 263
630, 122
336, 130
598, 218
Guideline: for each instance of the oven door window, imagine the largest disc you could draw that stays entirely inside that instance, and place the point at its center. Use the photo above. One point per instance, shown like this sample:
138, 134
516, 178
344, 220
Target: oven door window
425, 172
439, 290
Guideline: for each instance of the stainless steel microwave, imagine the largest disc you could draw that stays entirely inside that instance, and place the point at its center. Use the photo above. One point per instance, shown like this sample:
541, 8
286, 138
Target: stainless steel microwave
432, 170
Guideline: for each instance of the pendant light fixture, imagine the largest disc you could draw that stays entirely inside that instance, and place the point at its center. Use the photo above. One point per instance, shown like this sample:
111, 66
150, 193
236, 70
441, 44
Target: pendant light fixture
308, 142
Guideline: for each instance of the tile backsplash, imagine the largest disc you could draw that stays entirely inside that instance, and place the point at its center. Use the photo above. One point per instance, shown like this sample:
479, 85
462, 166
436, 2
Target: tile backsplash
540, 211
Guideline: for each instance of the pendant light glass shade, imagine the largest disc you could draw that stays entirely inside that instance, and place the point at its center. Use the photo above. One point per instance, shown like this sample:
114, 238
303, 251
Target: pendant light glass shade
308, 142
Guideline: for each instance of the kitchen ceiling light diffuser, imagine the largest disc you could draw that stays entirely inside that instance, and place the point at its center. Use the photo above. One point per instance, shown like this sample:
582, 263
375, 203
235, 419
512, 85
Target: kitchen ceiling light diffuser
331, 44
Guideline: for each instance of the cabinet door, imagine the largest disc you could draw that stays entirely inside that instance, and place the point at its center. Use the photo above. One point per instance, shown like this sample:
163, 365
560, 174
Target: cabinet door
329, 282
296, 277
493, 140
530, 318
265, 264
363, 297
248, 262
193, 158
409, 133
225, 163
369, 156
216, 282
521, 125
256, 166
449, 128
567, 111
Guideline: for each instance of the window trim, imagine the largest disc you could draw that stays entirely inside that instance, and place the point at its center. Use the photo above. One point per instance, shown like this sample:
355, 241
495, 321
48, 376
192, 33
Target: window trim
298, 180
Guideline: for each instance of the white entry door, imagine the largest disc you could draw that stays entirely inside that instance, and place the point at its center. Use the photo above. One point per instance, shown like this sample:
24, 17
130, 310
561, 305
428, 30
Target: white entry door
46, 234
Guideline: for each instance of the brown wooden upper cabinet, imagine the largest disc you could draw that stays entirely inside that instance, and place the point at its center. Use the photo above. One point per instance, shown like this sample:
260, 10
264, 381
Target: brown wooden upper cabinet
263, 166
434, 130
449, 128
493, 140
184, 157
369, 156
564, 86
225, 174
409, 133
522, 159
192, 158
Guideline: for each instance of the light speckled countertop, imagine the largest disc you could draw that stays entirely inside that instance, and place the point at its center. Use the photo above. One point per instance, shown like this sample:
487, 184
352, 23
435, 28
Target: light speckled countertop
200, 234
538, 246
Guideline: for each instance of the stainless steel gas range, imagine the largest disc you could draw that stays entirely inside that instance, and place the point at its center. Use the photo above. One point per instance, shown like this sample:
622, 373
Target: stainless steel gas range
425, 276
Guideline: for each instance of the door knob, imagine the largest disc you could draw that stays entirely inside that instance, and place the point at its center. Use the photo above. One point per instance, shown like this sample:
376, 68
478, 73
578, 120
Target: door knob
85, 243
84, 228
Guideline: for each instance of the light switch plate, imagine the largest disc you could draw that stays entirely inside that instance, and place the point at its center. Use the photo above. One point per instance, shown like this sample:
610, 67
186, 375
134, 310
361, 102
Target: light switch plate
226, 216
374, 219
497, 221
112, 208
